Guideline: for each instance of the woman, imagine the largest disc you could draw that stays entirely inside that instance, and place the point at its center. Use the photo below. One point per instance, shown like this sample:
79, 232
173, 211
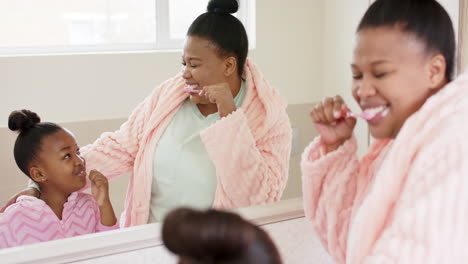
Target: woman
216, 135
405, 201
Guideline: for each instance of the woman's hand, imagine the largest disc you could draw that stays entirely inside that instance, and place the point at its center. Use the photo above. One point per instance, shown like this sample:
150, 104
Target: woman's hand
99, 187
330, 119
28, 191
221, 95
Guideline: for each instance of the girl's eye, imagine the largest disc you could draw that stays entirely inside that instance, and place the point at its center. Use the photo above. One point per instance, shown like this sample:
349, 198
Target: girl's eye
67, 156
193, 66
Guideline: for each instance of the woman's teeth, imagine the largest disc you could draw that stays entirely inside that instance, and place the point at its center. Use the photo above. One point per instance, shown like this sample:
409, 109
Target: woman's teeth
371, 113
191, 88
385, 112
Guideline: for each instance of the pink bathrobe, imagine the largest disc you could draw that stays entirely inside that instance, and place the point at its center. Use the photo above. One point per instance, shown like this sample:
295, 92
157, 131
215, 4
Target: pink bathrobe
31, 220
406, 201
250, 148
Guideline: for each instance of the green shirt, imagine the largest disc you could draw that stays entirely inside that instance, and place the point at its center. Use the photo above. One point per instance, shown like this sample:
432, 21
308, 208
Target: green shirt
183, 173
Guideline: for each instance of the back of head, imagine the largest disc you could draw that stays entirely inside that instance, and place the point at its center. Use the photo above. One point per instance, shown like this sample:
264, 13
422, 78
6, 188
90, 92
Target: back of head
223, 29
425, 19
203, 237
31, 132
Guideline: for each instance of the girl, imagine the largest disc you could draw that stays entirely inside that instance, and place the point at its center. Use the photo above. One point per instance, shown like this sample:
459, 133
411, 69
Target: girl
50, 156
212, 236
406, 200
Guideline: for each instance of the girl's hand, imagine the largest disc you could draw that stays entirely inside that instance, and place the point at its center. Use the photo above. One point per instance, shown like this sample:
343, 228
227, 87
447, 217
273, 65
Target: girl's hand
329, 117
221, 95
99, 187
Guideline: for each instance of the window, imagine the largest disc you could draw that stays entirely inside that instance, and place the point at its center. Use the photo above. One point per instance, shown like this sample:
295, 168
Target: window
175, 16
83, 26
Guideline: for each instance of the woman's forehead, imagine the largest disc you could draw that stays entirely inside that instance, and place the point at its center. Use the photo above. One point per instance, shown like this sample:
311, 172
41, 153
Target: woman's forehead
197, 47
386, 44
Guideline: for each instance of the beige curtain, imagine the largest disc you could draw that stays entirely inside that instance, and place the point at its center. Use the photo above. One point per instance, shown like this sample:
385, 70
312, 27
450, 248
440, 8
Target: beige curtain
463, 37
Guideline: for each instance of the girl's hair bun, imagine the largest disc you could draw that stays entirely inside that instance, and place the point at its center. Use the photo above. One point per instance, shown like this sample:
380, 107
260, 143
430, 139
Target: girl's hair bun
22, 120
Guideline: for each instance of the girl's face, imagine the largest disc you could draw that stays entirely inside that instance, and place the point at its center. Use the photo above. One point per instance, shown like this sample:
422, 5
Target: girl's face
60, 163
202, 66
393, 73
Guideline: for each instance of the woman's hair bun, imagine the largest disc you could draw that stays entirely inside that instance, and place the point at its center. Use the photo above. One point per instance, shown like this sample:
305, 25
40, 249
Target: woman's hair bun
223, 6
22, 120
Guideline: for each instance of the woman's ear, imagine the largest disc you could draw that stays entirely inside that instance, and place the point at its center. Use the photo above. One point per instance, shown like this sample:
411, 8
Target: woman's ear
37, 174
230, 66
437, 66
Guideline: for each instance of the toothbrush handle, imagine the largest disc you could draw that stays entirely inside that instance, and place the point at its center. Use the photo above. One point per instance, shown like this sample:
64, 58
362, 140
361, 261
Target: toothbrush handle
189, 90
351, 115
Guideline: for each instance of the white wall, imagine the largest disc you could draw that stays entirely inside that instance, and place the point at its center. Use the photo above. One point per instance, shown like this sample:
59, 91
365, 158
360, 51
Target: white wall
81, 87
289, 47
463, 48
71, 88
341, 21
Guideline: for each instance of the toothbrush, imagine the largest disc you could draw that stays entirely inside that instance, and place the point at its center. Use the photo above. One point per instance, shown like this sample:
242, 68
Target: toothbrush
368, 114
364, 115
191, 89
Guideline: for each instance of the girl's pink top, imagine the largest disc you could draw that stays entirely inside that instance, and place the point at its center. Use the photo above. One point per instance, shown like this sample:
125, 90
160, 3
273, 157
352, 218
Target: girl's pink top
31, 220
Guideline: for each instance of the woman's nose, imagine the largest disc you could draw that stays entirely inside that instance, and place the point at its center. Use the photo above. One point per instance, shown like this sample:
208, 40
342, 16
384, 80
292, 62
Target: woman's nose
186, 73
365, 88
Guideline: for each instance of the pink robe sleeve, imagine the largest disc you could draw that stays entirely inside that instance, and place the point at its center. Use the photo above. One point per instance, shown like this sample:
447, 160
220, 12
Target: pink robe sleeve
113, 153
250, 171
329, 185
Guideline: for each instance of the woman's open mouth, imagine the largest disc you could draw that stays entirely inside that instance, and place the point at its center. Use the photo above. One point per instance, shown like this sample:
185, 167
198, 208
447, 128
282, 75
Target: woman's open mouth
375, 114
